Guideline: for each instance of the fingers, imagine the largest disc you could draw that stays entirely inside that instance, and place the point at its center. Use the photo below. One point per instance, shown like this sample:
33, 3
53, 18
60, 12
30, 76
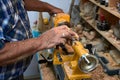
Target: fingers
74, 35
61, 40
56, 11
68, 33
57, 36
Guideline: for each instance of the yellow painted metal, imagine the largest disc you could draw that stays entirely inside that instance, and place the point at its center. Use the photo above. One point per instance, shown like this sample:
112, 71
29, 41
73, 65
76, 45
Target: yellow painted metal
61, 18
74, 76
79, 49
71, 67
58, 19
64, 57
70, 62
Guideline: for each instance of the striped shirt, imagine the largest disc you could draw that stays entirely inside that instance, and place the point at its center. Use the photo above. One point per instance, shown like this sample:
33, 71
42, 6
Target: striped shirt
14, 26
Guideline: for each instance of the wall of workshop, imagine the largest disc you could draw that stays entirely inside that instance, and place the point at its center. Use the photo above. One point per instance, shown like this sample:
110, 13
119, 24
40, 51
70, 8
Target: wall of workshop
63, 4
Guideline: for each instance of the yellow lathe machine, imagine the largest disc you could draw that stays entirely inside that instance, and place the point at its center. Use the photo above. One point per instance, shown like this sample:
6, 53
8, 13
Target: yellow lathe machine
76, 66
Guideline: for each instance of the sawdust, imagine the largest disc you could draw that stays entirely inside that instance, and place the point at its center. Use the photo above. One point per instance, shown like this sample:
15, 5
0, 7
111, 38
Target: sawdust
47, 72
98, 74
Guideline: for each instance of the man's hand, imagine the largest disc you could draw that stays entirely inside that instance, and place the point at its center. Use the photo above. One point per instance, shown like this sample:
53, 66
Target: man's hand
55, 11
55, 36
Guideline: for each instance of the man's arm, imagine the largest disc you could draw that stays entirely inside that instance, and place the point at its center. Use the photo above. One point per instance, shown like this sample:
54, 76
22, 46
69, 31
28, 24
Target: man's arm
15, 51
36, 5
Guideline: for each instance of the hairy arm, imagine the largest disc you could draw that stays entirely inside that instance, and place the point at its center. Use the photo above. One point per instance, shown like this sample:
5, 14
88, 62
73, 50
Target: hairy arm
36, 5
15, 51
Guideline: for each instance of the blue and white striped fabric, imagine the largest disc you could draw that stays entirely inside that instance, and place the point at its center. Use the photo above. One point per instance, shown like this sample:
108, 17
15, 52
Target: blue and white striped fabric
14, 26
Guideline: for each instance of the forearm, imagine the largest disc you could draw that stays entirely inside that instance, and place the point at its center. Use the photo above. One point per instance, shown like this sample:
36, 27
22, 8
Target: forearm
16, 51
36, 5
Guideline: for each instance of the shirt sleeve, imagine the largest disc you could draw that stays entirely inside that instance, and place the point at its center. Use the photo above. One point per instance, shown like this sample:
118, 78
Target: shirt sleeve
2, 39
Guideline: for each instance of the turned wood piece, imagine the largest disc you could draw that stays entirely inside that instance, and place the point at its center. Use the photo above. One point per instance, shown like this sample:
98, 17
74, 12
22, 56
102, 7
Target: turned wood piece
69, 48
102, 46
89, 35
82, 2
113, 3
116, 31
110, 34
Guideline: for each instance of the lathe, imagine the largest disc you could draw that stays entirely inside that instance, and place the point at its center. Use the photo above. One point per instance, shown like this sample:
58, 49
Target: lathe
75, 66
